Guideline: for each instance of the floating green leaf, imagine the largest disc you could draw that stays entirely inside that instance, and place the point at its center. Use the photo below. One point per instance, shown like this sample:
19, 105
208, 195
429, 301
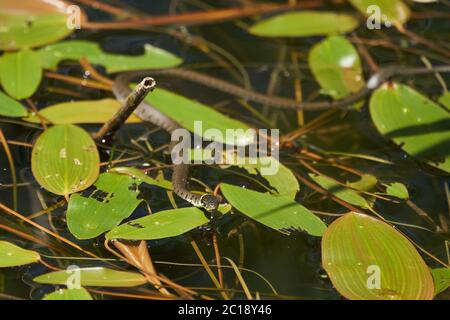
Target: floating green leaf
164, 224
305, 23
198, 118
90, 111
65, 159
278, 213
152, 58
445, 100
340, 191
10, 107
100, 209
414, 122
368, 259
366, 183
20, 73
274, 172
138, 174
398, 190
379, 11
336, 66
69, 294
441, 279
94, 277
12, 255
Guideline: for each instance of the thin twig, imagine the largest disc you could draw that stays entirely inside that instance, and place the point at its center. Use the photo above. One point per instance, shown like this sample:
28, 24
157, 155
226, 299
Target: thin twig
130, 104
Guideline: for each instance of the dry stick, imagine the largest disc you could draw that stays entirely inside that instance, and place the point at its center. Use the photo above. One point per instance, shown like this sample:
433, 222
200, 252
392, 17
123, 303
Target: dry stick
217, 253
130, 295
104, 7
130, 104
24, 235
415, 37
94, 73
168, 282
138, 256
42, 119
78, 81
45, 230
11, 167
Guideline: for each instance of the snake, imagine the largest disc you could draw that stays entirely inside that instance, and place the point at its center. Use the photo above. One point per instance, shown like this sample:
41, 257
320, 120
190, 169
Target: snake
148, 113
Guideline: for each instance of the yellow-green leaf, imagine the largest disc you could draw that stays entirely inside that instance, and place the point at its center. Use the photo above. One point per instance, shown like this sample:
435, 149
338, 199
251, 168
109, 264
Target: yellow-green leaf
65, 159
368, 259
20, 73
69, 294
164, 224
414, 122
305, 23
12, 255
340, 191
94, 277
336, 66
189, 114
89, 111
10, 107
441, 279
279, 213
32, 23
398, 190
100, 209
152, 58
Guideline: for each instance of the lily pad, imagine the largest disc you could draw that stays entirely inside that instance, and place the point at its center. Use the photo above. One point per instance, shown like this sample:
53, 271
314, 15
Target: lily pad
69, 294
10, 107
336, 66
413, 122
278, 213
398, 190
280, 178
12, 255
199, 118
20, 73
139, 175
152, 58
103, 207
341, 192
366, 183
164, 224
32, 23
65, 159
445, 100
367, 259
441, 278
93, 277
305, 23
89, 111
383, 10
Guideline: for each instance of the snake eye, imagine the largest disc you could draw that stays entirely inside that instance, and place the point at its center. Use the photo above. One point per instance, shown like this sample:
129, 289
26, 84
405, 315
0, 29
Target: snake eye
210, 202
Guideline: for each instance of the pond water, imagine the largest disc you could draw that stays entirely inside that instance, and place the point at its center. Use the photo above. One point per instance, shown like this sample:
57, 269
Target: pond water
291, 264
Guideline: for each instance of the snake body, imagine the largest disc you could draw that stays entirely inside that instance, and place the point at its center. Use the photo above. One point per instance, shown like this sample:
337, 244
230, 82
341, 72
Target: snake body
148, 113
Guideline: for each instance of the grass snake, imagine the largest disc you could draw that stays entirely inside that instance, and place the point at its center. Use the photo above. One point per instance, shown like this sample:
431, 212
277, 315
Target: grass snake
148, 113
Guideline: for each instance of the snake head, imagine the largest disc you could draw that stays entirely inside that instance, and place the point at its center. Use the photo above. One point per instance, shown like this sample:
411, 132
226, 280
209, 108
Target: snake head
210, 202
